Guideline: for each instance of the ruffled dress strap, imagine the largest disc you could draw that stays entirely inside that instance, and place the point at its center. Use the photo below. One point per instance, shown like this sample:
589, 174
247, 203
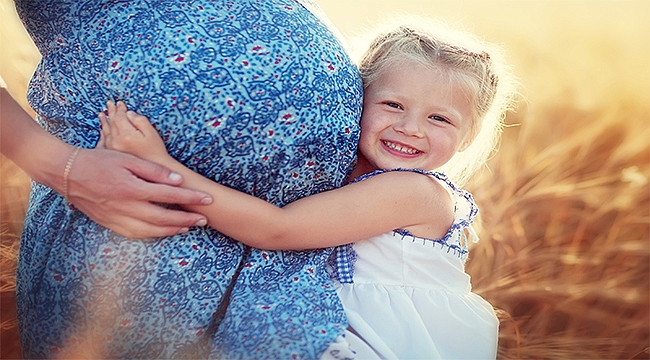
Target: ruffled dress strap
342, 260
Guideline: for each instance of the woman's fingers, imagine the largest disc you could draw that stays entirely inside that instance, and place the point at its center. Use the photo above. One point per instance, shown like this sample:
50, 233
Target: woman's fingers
141, 220
156, 188
123, 218
119, 191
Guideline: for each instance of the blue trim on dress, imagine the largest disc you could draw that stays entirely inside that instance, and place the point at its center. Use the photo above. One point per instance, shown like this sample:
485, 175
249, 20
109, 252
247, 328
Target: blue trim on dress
344, 257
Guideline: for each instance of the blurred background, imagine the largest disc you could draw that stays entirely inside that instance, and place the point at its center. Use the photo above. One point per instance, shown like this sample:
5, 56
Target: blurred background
565, 235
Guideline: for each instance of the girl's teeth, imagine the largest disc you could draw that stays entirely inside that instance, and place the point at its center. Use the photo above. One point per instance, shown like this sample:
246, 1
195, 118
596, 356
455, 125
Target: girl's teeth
401, 148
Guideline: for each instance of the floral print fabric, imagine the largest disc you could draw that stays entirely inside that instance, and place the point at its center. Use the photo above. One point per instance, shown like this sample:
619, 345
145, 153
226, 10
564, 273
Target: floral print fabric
255, 94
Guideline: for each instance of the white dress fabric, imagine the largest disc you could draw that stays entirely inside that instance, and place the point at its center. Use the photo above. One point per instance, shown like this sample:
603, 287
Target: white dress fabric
410, 297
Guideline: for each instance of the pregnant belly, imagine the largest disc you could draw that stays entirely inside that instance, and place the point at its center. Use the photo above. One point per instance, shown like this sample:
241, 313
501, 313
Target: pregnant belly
259, 96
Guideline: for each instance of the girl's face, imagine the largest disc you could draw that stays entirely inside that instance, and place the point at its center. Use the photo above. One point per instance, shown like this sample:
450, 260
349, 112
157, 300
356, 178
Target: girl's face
414, 117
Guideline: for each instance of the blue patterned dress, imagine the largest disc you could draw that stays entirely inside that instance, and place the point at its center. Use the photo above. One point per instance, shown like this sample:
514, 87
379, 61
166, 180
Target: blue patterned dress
255, 94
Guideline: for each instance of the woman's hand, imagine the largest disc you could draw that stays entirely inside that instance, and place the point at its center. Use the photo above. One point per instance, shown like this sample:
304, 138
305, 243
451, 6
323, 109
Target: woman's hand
114, 189
119, 191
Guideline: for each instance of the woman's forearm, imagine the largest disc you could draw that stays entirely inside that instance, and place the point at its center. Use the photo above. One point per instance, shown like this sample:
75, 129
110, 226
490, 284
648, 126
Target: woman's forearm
24, 142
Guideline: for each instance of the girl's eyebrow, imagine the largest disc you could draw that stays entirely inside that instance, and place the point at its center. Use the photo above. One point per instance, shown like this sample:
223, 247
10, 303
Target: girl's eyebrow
451, 111
386, 92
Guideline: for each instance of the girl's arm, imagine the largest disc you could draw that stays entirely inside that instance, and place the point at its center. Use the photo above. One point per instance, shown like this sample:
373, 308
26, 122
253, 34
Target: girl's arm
108, 186
354, 212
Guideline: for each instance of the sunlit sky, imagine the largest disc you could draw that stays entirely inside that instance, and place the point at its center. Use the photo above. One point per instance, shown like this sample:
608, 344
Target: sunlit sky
587, 46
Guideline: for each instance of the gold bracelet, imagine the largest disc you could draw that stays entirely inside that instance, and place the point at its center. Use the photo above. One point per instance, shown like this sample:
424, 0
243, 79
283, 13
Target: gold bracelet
66, 171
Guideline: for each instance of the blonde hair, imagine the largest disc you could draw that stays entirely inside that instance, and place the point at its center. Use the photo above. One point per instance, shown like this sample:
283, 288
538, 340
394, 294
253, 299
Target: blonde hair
474, 64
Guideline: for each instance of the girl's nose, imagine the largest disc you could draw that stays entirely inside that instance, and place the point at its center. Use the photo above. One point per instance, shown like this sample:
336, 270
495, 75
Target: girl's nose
409, 126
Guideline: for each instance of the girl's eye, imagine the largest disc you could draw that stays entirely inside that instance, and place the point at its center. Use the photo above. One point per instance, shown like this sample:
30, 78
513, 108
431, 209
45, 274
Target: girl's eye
439, 118
393, 105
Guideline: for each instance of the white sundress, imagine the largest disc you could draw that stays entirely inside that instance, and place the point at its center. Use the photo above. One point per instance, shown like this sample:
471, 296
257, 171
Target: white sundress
410, 298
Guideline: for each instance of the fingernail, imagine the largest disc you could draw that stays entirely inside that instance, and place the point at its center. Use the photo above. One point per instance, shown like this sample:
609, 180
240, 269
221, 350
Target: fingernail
130, 113
183, 230
201, 222
206, 200
175, 176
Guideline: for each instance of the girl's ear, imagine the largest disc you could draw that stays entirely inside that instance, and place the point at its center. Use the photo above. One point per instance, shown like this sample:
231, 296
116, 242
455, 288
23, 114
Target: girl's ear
470, 136
464, 146
466, 143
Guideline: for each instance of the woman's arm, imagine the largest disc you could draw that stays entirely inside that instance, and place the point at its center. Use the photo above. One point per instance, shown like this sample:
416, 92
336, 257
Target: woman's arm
114, 189
354, 212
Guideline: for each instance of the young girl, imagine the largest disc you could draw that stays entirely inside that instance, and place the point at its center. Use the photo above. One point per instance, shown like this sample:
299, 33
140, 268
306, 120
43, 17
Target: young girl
429, 102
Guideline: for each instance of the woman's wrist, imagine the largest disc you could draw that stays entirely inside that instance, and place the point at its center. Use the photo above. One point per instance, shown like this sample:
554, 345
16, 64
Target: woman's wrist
66, 172
25, 143
55, 172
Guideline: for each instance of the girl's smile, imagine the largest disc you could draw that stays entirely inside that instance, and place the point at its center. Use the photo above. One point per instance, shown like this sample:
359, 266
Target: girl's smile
414, 116
400, 149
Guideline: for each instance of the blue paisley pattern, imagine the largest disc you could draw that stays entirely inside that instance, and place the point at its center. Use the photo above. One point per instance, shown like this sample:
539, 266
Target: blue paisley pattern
255, 94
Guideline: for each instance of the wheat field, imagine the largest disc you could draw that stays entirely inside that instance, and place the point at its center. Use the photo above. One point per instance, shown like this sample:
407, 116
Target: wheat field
565, 214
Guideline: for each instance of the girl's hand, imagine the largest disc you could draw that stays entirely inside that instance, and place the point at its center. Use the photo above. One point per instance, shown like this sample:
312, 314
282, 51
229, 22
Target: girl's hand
130, 132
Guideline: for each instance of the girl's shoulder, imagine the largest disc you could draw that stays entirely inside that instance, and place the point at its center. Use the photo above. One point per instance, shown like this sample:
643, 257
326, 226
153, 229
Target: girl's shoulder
464, 207
418, 185
411, 177
441, 179
386, 171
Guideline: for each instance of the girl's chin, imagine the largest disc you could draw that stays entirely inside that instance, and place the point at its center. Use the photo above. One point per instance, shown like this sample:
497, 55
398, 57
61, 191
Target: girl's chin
398, 165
